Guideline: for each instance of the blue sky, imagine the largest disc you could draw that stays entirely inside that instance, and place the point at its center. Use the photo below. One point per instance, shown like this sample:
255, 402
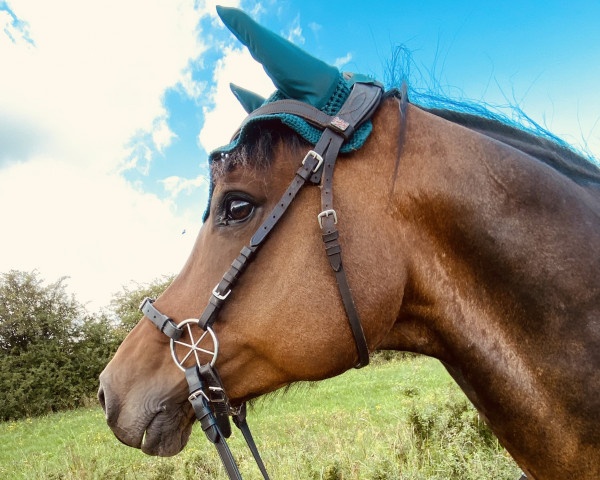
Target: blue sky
525, 54
108, 109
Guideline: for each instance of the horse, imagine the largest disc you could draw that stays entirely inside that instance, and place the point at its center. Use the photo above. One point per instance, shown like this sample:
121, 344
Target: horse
464, 239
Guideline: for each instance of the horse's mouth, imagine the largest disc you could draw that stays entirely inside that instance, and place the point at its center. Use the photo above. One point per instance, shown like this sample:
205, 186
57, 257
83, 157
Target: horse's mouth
165, 435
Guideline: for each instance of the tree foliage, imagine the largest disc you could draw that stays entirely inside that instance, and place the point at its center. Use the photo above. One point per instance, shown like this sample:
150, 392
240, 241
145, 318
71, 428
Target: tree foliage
31, 312
126, 304
51, 350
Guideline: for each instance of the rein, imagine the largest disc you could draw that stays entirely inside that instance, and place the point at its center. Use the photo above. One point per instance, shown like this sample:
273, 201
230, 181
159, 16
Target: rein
207, 395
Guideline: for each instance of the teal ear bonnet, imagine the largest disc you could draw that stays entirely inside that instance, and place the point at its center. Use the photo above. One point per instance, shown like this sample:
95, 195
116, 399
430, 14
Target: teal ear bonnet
296, 75
301, 127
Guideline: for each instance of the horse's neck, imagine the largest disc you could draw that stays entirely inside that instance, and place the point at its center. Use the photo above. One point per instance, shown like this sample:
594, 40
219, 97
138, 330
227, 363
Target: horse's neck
512, 236
506, 283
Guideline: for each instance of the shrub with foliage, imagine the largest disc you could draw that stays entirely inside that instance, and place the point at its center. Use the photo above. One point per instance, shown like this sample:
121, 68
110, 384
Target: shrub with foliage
126, 304
51, 351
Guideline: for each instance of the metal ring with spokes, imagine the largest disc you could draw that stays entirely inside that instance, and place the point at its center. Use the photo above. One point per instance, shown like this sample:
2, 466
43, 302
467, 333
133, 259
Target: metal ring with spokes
193, 347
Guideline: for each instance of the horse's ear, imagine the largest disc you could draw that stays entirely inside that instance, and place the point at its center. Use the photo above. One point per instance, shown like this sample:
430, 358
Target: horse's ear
296, 73
249, 100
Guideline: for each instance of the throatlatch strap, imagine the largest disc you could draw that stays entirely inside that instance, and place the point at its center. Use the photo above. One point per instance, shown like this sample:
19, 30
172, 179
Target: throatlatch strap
361, 104
327, 221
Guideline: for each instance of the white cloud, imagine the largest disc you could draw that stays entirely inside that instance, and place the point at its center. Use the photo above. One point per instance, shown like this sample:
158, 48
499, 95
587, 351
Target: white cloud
315, 27
257, 11
341, 61
220, 121
91, 79
175, 185
161, 134
191, 87
209, 7
64, 219
97, 72
295, 33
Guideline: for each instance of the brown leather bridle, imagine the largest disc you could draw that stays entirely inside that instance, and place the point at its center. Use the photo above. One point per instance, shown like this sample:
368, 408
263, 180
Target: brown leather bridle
207, 394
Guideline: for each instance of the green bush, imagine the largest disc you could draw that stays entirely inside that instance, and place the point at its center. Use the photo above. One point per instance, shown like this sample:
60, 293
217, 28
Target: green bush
125, 305
51, 350
51, 353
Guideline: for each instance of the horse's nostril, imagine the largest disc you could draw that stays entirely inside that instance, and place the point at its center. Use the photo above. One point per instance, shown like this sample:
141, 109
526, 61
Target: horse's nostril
101, 398
109, 403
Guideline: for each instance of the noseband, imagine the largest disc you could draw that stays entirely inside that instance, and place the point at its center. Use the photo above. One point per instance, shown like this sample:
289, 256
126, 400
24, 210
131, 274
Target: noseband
207, 395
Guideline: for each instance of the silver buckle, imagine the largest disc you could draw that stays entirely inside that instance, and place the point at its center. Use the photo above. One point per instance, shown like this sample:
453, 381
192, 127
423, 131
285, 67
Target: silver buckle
312, 153
217, 394
198, 393
326, 213
144, 301
218, 295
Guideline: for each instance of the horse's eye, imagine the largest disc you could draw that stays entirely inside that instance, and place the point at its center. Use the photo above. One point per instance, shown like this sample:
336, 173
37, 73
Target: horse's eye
238, 210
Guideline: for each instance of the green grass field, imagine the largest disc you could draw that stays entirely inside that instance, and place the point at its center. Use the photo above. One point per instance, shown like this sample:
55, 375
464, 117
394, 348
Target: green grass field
402, 419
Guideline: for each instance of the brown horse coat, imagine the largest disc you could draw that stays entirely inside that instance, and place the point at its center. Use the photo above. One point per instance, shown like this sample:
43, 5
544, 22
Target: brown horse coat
456, 245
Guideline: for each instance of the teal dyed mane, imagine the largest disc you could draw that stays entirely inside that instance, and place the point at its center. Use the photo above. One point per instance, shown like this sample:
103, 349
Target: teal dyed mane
523, 133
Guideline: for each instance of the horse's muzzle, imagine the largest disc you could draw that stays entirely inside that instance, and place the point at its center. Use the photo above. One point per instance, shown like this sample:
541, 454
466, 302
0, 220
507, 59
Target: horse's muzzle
155, 427
111, 409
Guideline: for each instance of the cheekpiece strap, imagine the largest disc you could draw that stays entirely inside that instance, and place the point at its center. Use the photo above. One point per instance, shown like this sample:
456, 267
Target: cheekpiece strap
221, 292
165, 324
310, 163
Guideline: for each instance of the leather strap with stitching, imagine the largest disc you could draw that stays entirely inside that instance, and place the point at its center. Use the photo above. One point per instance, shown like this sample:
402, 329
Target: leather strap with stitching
222, 290
165, 324
208, 421
327, 221
303, 110
359, 107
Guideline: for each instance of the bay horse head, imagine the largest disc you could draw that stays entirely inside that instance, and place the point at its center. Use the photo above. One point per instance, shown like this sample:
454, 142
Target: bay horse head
463, 239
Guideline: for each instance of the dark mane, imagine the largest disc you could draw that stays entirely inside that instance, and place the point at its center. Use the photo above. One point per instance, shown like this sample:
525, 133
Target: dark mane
546, 150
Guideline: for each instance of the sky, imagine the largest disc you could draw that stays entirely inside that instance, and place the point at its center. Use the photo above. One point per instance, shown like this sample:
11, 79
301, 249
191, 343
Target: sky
108, 110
